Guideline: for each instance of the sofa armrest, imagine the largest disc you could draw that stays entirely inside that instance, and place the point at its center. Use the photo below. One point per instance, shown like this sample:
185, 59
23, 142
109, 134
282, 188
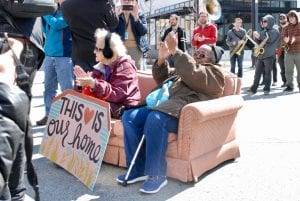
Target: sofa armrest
204, 110
205, 124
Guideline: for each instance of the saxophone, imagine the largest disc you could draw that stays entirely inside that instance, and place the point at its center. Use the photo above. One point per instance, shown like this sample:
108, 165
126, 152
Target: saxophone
239, 48
259, 48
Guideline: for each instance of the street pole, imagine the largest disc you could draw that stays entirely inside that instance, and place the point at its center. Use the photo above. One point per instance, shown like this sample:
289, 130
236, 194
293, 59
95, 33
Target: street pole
254, 15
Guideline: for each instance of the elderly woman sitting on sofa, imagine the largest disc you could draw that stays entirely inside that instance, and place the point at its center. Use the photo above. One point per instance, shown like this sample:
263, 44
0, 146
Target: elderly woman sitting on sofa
114, 78
196, 79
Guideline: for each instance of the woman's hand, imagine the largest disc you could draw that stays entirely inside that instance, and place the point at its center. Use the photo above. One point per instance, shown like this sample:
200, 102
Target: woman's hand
79, 72
83, 81
135, 11
118, 10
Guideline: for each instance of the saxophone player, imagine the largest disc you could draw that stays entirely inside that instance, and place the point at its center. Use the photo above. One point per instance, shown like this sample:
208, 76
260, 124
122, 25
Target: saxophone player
235, 38
267, 40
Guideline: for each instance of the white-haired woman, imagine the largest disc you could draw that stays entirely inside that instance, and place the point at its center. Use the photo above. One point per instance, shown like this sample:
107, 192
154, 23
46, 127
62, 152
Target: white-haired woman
114, 78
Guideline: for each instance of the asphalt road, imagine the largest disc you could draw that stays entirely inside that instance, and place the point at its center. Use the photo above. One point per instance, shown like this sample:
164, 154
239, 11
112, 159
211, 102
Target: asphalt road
268, 169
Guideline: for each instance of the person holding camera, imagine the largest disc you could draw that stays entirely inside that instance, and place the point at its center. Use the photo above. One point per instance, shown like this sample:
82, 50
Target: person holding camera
132, 28
14, 109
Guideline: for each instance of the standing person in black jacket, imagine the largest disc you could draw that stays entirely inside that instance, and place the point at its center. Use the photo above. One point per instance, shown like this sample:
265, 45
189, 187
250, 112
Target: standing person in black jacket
29, 32
14, 108
174, 22
83, 18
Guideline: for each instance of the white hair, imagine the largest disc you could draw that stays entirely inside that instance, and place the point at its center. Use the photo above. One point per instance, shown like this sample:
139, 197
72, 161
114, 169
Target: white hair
115, 43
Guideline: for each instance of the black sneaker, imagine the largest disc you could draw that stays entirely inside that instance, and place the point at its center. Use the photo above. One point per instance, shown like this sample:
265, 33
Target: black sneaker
43, 121
283, 85
288, 89
250, 92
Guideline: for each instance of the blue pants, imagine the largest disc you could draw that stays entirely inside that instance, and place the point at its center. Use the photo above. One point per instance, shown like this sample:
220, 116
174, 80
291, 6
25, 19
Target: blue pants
239, 59
58, 70
155, 126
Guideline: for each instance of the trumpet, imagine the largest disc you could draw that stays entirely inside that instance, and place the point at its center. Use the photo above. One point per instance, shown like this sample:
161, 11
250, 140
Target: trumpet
239, 47
213, 8
259, 48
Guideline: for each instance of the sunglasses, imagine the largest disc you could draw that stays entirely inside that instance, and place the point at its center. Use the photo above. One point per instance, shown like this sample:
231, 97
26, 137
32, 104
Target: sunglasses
97, 49
199, 56
264, 21
282, 18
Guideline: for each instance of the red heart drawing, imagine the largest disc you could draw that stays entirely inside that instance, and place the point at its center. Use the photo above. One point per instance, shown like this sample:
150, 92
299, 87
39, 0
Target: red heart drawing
88, 115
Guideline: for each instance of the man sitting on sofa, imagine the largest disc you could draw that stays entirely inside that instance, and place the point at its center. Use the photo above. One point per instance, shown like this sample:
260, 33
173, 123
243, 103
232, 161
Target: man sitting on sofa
193, 79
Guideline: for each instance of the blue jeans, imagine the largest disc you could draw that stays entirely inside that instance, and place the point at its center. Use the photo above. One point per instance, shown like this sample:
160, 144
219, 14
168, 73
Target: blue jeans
58, 70
239, 59
155, 126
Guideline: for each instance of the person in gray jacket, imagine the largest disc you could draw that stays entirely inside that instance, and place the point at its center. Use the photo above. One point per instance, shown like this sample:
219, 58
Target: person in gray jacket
235, 39
267, 39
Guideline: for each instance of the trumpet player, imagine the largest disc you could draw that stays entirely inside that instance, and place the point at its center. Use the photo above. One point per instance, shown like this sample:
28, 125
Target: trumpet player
235, 41
292, 56
267, 40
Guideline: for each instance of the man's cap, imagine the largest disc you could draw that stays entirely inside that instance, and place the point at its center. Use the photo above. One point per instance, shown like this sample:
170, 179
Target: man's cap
282, 15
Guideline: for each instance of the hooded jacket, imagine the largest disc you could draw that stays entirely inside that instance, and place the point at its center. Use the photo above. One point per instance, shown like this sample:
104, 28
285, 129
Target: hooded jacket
272, 43
14, 107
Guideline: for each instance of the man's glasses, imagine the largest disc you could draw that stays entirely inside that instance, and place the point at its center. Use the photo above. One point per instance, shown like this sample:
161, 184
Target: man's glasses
199, 56
282, 18
264, 21
97, 49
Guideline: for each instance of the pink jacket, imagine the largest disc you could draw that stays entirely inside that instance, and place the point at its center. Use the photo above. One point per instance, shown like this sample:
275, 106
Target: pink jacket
119, 86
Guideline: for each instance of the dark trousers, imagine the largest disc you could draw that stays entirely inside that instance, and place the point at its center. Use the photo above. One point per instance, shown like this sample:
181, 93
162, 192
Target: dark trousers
263, 67
239, 60
15, 190
282, 66
274, 71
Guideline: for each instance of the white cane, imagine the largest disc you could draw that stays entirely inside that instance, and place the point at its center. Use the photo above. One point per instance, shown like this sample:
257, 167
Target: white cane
133, 160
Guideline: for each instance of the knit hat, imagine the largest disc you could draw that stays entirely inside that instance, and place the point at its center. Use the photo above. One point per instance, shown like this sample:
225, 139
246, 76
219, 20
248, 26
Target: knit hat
218, 52
282, 15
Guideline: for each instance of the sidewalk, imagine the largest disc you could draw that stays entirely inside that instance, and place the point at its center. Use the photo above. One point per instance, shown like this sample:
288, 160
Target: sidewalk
267, 170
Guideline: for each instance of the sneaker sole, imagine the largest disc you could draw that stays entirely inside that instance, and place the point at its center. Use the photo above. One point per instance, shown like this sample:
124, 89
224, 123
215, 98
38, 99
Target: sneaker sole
132, 181
155, 191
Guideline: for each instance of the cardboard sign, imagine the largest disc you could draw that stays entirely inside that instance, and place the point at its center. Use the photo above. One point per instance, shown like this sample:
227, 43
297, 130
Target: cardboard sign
76, 135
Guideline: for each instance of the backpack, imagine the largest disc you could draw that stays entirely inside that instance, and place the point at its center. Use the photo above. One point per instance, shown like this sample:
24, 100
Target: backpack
28, 8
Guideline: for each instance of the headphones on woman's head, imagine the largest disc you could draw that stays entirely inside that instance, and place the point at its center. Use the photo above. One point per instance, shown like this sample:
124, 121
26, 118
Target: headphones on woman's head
107, 51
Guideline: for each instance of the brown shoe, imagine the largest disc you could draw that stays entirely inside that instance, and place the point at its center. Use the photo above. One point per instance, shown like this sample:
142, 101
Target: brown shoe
43, 121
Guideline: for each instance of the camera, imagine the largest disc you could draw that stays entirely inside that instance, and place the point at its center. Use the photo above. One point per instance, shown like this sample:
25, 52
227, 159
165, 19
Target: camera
127, 7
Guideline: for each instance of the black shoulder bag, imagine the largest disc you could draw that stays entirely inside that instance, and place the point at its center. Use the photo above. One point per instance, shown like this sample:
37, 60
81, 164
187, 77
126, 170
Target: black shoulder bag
29, 8
23, 82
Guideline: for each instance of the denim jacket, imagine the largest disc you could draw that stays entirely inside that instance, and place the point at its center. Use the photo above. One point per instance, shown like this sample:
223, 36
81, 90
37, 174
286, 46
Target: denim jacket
139, 30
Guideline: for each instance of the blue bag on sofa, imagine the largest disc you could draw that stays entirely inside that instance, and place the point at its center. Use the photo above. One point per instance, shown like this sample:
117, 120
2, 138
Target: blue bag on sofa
159, 95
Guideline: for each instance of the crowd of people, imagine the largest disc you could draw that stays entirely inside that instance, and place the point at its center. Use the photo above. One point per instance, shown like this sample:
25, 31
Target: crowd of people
99, 54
